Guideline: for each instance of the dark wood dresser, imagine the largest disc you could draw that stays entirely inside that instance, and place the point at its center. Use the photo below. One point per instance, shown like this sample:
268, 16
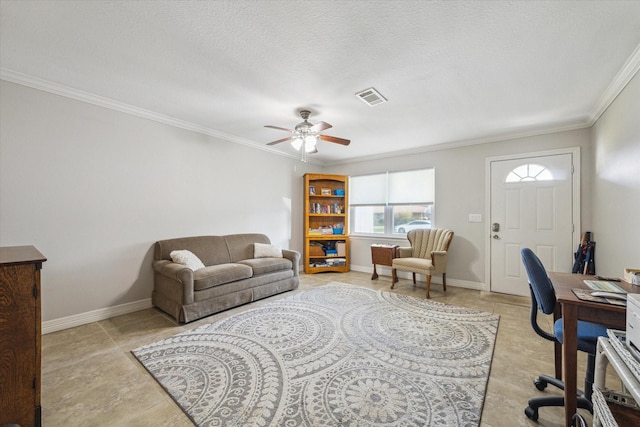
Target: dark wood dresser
20, 335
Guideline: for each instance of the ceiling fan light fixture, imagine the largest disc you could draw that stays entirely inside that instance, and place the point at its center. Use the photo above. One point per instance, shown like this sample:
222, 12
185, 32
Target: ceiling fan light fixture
310, 142
296, 143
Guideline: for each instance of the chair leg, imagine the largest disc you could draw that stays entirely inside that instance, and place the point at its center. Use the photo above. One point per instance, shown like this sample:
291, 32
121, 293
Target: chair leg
394, 277
583, 401
444, 281
414, 278
428, 285
536, 403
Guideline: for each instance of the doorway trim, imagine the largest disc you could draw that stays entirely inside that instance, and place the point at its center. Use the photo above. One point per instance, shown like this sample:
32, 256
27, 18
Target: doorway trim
575, 203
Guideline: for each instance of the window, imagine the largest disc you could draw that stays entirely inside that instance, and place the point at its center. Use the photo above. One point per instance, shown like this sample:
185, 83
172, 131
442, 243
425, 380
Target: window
391, 202
529, 172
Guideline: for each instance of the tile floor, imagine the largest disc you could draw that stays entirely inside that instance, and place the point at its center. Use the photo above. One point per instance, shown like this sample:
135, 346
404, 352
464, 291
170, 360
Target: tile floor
90, 378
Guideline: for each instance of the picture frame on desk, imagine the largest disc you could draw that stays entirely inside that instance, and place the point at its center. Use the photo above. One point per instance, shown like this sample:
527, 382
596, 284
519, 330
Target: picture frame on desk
325, 191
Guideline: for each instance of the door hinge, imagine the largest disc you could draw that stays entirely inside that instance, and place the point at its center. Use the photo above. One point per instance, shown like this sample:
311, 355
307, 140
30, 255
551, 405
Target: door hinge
33, 384
35, 292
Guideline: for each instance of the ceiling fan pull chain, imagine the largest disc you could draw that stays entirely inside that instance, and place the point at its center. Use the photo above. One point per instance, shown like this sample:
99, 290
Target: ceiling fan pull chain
304, 151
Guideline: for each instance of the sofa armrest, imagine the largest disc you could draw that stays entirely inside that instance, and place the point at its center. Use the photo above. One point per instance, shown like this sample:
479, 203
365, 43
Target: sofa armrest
178, 274
405, 252
439, 259
294, 257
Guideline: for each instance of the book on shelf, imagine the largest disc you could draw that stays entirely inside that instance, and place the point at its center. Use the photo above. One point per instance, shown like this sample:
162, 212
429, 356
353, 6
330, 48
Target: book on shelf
319, 208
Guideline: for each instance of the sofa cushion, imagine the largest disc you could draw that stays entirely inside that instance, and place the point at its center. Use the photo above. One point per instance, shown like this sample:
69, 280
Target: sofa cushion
261, 250
240, 246
413, 264
263, 280
267, 265
186, 258
215, 275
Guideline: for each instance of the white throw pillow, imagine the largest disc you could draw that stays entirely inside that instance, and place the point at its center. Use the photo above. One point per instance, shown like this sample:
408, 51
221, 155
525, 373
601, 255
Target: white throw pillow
187, 258
261, 250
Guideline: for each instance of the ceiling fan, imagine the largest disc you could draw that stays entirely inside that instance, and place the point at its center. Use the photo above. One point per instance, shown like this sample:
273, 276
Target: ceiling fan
304, 137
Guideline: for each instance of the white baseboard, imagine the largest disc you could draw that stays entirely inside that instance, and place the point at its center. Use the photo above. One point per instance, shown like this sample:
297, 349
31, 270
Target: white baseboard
386, 271
118, 310
94, 316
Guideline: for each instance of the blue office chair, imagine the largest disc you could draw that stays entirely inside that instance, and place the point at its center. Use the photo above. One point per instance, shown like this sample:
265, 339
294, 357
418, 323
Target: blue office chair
543, 298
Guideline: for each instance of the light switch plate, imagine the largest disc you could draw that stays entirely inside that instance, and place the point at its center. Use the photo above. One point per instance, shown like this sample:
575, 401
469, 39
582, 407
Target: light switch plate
475, 218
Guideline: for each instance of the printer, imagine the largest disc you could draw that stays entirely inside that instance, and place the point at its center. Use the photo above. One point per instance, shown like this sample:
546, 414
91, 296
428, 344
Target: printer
633, 324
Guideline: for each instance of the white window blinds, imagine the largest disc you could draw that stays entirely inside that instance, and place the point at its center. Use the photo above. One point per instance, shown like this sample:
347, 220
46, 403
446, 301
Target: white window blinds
411, 187
368, 190
393, 188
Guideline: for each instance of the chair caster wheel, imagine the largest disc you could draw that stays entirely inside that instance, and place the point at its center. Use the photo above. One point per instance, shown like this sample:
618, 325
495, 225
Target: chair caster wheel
540, 384
531, 413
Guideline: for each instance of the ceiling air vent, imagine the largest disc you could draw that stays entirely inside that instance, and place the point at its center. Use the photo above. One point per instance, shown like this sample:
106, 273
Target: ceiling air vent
371, 97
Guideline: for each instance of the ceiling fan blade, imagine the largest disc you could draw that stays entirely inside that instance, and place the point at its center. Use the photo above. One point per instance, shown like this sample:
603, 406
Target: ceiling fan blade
279, 128
314, 151
289, 138
319, 127
334, 139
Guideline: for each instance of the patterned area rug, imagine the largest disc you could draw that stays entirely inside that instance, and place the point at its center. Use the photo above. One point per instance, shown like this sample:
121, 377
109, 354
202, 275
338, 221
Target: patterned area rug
337, 355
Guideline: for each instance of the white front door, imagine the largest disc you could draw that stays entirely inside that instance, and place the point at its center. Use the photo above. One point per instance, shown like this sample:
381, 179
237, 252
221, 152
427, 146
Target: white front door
531, 206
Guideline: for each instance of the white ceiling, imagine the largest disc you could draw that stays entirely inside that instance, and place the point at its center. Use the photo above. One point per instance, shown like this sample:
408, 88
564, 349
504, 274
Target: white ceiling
454, 72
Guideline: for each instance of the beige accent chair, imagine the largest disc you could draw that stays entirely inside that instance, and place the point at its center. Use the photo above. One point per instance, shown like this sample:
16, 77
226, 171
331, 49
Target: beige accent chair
427, 255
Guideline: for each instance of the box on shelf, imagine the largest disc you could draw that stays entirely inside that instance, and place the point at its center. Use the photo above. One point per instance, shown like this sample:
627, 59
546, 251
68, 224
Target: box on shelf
315, 250
341, 248
326, 230
338, 192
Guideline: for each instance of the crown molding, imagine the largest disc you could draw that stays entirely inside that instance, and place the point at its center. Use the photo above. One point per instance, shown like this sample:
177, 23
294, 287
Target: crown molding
566, 127
622, 79
78, 95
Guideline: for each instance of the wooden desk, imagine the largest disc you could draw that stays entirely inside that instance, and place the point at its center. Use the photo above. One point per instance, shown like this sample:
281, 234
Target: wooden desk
383, 255
572, 309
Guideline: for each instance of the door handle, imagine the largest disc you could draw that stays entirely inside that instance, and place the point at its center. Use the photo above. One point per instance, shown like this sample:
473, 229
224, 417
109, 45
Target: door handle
495, 236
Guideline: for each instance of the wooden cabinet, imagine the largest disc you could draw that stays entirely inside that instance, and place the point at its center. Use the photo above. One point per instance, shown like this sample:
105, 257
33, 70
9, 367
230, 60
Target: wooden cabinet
326, 221
20, 335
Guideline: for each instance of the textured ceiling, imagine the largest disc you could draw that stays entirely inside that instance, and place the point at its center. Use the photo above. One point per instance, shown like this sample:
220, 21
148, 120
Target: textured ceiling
454, 72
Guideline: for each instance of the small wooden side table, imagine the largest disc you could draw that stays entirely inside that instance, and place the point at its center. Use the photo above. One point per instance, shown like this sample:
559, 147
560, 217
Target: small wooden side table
382, 255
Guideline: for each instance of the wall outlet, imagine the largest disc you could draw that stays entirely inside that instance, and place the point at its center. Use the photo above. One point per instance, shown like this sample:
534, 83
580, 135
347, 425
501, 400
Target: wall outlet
475, 218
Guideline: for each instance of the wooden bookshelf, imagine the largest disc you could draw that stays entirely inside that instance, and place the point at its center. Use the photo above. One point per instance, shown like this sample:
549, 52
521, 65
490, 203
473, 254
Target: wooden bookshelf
326, 221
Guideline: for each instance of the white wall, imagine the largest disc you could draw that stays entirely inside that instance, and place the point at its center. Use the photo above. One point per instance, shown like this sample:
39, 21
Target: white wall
460, 191
93, 189
616, 189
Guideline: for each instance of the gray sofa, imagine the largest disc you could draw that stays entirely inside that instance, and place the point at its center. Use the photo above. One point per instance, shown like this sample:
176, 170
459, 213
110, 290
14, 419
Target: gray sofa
231, 277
